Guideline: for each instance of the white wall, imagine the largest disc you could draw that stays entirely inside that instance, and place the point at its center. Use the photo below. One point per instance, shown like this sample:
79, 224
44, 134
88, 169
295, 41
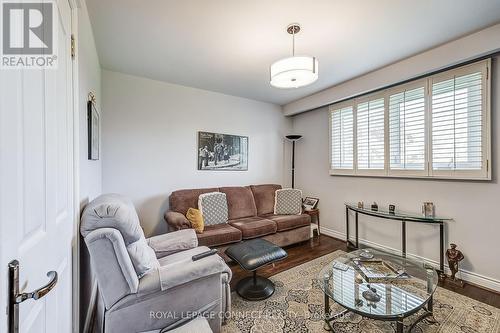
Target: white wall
469, 47
89, 80
473, 205
150, 137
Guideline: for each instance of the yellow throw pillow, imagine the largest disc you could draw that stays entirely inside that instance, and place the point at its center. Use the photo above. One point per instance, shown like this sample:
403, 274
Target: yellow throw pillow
194, 216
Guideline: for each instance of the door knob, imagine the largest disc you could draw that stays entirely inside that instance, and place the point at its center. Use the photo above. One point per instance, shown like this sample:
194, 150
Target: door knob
40, 292
15, 297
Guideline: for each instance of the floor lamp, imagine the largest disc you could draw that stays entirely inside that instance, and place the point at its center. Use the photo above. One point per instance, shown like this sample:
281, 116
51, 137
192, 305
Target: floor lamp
293, 138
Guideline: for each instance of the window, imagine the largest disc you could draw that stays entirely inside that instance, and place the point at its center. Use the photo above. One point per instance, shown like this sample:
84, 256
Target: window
407, 129
370, 135
436, 127
457, 124
342, 125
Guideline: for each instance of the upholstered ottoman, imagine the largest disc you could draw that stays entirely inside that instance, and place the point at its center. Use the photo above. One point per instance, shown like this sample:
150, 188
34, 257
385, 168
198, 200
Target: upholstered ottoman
251, 255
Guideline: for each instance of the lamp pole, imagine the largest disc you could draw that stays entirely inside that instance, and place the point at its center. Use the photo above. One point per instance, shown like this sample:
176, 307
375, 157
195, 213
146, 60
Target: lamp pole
293, 164
293, 138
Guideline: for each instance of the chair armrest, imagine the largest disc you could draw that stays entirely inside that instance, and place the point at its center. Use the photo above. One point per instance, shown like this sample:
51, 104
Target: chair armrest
173, 242
111, 263
186, 271
177, 221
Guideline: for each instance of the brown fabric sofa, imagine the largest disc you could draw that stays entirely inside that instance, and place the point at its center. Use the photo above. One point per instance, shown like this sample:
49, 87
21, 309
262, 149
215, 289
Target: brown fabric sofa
251, 215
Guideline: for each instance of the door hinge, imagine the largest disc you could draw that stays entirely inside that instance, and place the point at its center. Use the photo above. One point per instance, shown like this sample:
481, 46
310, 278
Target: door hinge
72, 46
487, 165
487, 73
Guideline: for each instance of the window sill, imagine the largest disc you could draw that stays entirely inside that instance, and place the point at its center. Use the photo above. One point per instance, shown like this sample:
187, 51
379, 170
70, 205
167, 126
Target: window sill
400, 175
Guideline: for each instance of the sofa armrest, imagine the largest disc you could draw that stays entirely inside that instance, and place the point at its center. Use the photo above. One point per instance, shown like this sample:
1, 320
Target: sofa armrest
186, 271
177, 221
173, 242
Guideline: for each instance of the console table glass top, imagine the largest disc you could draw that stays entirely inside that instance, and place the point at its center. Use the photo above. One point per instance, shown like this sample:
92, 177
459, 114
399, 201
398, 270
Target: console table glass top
398, 298
397, 215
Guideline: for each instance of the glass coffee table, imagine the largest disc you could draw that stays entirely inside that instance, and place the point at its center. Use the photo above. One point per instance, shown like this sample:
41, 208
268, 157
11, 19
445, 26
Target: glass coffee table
409, 289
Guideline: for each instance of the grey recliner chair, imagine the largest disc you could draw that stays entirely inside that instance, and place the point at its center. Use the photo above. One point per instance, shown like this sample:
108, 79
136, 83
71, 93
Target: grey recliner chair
151, 284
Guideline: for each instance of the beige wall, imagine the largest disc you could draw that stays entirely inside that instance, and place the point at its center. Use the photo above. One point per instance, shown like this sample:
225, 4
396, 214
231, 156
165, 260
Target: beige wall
150, 141
473, 205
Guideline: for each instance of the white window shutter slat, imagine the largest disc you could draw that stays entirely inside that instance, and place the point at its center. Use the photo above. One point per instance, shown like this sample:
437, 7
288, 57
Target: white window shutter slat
342, 138
370, 135
457, 113
407, 130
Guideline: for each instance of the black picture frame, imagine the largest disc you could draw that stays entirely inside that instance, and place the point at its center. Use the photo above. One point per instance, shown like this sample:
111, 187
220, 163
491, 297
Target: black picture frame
93, 131
222, 152
310, 203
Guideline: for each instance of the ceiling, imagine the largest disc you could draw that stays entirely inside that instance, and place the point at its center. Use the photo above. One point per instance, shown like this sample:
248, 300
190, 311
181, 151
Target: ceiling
228, 45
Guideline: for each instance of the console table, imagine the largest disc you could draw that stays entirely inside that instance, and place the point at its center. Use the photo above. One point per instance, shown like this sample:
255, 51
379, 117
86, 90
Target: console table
398, 216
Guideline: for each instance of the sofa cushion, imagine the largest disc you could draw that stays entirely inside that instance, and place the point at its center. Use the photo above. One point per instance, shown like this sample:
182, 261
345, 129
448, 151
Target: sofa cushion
240, 202
252, 227
180, 201
213, 208
219, 234
287, 222
264, 197
288, 202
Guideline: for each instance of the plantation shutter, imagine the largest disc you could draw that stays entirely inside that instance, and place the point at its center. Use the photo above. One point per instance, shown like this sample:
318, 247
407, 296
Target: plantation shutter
407, 129
457, 123
437, 126
342, 126
370, 135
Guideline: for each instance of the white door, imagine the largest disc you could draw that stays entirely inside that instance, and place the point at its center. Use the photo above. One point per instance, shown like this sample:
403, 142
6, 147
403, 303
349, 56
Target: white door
37, 185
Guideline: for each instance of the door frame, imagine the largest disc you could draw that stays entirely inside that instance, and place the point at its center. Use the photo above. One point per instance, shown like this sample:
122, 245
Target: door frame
75, 5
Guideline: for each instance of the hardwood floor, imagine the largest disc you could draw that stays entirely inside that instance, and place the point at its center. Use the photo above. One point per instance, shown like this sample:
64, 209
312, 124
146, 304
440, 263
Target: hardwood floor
319, 246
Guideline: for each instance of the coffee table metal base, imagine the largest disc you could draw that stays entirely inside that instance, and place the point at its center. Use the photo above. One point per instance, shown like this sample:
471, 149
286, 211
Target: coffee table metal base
255, 288
330, 318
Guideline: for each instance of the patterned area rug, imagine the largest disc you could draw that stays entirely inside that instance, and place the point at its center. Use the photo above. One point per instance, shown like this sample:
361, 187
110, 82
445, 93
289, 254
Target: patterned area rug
297, 306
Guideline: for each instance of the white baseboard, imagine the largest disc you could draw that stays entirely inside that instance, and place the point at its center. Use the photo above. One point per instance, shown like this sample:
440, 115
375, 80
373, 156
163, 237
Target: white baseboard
91, 308
475, 278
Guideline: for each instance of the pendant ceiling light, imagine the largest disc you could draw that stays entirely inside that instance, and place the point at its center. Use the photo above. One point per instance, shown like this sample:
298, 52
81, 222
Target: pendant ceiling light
294, 71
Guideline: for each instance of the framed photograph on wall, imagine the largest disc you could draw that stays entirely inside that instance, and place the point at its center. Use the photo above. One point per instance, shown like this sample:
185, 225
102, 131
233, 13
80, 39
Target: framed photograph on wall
223, 152
310, 203
93, 128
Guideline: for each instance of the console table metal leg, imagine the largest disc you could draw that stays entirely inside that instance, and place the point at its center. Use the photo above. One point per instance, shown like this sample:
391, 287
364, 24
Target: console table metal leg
357, 238
403, 238
347, 225
441, 249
